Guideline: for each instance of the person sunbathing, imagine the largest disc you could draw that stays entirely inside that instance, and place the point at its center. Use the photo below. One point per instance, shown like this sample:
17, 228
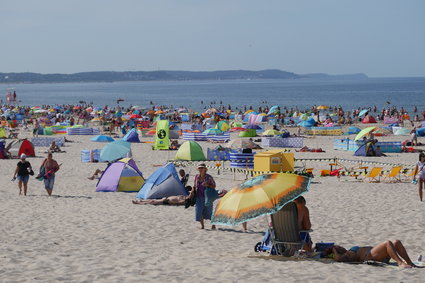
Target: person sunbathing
172, 200
54, 147
382, 252
304, 222
96, 174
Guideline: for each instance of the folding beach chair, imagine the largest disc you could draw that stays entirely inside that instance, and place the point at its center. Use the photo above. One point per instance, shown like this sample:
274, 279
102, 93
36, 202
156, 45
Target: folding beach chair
286, 233
374, 175
393, 175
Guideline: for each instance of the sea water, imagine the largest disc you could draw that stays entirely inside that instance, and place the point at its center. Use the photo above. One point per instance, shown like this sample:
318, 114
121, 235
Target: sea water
301, 93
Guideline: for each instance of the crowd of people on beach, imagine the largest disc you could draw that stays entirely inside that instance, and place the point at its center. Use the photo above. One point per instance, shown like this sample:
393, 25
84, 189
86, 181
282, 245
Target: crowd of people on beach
119, 118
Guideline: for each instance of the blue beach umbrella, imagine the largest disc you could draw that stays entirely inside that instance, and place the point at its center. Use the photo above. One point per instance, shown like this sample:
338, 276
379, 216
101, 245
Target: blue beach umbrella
102, 138
115, 150
363, 112
273, 109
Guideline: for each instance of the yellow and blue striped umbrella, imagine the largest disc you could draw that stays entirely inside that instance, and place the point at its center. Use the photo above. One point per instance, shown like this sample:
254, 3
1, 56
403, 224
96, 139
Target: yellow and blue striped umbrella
262, 195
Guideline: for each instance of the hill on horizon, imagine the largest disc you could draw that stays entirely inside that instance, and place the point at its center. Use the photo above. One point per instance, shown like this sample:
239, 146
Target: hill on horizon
111, 76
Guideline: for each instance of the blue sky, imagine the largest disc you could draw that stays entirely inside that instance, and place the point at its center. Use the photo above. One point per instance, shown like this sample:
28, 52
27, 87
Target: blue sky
382, 38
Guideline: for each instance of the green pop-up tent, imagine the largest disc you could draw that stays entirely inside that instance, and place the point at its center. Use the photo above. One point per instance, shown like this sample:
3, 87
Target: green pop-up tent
190, 150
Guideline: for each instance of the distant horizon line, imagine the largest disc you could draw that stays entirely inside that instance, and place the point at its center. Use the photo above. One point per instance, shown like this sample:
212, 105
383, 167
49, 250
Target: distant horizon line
212, 71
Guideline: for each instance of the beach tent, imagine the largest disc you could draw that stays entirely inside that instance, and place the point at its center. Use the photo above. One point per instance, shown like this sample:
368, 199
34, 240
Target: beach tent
212, 131
174, 135
271, 132
131, 136
400, 131
2, 133
115, 150
248, 133
368, 120
420, 132
164, 182
16, 148
122, 176
353, 130
190, 150
102, 138
306, 124
367, 149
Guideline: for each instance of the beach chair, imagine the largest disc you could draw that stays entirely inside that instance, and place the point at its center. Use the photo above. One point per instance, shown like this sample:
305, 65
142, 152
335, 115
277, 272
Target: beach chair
393, 175
286, 233
374, 175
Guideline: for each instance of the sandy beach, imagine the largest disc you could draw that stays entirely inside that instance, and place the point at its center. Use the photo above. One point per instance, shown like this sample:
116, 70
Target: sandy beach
79, 235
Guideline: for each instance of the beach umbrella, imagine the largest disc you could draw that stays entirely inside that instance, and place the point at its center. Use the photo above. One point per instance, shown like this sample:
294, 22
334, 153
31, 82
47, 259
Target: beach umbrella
322, 107
115, 150
262, 195
364, 132
135, 116
273, 109
305, 124
236, 125
222, 126
363, 112
271, 132
102, 138
212, 131
242, 143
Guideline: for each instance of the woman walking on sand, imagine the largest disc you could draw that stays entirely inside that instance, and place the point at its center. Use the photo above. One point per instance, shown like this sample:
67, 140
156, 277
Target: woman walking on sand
22, 172
420, 172
202, 181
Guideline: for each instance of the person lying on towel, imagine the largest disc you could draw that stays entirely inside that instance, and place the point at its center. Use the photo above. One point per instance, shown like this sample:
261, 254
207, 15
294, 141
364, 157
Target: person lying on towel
172, 200
382, 252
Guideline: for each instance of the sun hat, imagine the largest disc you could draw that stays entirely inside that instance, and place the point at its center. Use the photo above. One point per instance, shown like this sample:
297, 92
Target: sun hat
23, 156
202, 165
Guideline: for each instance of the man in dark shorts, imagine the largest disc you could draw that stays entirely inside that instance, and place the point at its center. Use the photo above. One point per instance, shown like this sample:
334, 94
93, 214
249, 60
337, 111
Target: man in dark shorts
50, 168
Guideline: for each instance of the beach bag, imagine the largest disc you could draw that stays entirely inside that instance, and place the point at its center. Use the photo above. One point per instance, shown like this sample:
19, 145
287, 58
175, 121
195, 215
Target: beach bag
210, 196
40, 175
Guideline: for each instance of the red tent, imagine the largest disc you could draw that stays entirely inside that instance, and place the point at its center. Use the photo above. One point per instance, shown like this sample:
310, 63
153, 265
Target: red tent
16, 148
368, 119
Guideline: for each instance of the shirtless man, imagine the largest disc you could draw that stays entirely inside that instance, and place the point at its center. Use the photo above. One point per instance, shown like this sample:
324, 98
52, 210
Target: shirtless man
382, 252
50, 168
172, 200
304, 222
